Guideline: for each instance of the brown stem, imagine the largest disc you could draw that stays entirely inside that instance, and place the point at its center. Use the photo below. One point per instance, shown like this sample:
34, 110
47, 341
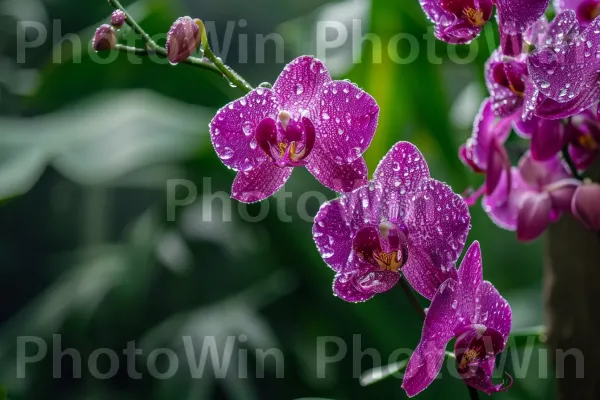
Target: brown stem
572, 292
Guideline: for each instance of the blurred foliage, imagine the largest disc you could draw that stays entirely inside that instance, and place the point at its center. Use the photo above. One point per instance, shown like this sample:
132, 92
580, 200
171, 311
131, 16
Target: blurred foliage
86, 250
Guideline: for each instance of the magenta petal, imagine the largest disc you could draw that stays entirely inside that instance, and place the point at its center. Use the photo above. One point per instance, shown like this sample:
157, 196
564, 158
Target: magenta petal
586, 206
498, 164
534, 216
259, 183
345, 121
341, 178
364, 284
493, 310
232, 130
502, 209
541, 173
547, 140
487, 129
515, 16
344, 287
338, 221
470, 277
525, 128
550, 109
423, 274
400, 173
299, 85
504, 101
428, 358
333, 234
438, 222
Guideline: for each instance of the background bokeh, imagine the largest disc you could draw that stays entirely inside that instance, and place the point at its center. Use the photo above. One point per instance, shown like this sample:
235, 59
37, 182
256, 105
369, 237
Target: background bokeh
86, 251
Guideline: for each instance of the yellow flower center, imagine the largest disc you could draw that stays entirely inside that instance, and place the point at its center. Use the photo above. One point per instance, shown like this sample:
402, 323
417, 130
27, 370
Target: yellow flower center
388, 261
588, 142
474, 16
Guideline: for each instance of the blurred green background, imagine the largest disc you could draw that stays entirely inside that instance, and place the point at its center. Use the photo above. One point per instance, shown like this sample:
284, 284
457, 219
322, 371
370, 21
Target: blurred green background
86, 250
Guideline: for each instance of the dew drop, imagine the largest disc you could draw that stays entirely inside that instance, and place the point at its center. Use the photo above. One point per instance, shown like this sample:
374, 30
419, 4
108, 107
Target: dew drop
227, 153
247, 128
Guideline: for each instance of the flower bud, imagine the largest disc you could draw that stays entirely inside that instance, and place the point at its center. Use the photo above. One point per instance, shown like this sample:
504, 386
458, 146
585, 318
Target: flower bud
183, 39
586, 206
117, 19
104, 38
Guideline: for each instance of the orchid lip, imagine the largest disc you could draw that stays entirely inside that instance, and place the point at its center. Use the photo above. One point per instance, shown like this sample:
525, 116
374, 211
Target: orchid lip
384, 247
288, 141
475, 345
475, 14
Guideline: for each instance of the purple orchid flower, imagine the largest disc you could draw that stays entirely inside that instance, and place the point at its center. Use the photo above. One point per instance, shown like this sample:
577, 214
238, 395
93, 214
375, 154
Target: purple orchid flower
506, 78
484, 152
472, 311
564, 71
461, 21
401, 222
539, 192
548, 137
305, 120
586, 10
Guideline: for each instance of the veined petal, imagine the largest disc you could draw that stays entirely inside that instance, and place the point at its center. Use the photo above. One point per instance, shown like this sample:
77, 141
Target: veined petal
503, 205
515, 16
299, 85
233, 128
493, 310
338, 221
438, 222
439, 328
345, 288
340, 178
470, 277
400, 174
259, 183
346, 119
547, 140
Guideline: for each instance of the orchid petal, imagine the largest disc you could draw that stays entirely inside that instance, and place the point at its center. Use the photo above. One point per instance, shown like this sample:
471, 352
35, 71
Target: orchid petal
438, 329
259, 183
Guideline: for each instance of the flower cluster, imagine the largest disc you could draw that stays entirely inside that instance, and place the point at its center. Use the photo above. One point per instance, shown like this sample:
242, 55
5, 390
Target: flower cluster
549, 97
402, 224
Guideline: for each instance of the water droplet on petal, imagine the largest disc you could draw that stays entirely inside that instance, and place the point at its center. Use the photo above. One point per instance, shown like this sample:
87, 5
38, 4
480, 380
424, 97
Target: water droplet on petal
227, 153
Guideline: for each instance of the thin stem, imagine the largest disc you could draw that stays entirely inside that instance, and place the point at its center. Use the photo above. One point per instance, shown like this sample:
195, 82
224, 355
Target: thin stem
217, 65
473, 393
567, 156
412, 299
145, 52
134, 25
230, 74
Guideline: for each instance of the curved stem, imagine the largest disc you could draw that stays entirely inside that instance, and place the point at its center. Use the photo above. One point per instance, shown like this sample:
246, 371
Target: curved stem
230, 74
217, 65
473, 393
133, 24
412, 299
567, 157
414, 302
145, 52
